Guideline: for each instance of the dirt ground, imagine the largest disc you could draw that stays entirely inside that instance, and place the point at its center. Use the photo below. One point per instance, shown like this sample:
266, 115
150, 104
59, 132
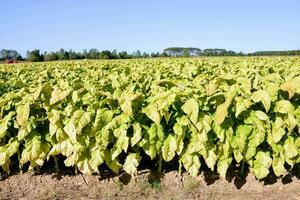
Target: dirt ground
146, 186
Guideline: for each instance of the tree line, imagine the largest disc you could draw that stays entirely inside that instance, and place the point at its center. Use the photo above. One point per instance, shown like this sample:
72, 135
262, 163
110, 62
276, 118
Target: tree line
191, 51
6, 54
37, 56
276, 53
62, 54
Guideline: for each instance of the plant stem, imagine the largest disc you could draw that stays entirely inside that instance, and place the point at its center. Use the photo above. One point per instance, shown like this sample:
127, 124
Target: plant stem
1, 113
180, 168
160, 165
56, 164
20, 165
76, 171
243, 167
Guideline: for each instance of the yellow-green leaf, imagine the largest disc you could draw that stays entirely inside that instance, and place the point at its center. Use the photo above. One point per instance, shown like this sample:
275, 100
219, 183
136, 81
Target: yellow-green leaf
23, 111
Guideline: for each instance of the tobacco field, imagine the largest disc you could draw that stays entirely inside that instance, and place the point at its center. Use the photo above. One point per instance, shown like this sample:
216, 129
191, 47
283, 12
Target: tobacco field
216, 112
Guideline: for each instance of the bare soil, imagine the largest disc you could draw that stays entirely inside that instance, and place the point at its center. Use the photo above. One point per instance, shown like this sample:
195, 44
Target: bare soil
147, 185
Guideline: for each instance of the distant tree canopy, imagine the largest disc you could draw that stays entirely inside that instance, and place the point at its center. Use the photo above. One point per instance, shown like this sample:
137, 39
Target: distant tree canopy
276, 53
106, 55
34, 56
181, 51
93, 54
62, 54
191, 51
7, 54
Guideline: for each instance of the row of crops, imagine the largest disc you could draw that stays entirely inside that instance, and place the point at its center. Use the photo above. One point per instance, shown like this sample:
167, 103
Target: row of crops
210, 111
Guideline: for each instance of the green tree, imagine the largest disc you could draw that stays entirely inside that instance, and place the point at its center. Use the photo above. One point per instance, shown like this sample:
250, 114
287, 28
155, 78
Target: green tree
137, 54
34, 56
6, 54
186, 53
85, 54
105, 55
72, 55
123, 55
145, 55
93, 54
61, 54
114, 54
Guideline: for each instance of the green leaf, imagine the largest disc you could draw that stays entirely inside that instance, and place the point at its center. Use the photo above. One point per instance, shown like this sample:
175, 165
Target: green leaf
262, 163
211, 159
169, 148
151, 151
210, 88
221, 113
71, 160
131, 163
222, 110
6, 166
67, 148
153, 134
23, 114
70, 129
260, 171
137, 134
290, 148
117, 121
241, 105
291, 123
243, 130
240, 140
58, 95
97, 158
272, 89
113, 164
4, 123
126, 106
126, 102
219, 131
53, 116
8, 150
116, 151
35, 152
262, 96
291, 86
284, 107
103, 138
238, 156
278, 166
223, 165
179, 131
277, 129
101, 119
261, 115
152, 113
121, 144
191, 163
55, 150
23, 132
191, 108
288, 87
84, 120
84, 166
251, 151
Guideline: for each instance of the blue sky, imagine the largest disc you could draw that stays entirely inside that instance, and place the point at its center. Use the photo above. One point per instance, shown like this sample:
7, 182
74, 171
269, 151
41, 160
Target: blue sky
149, 25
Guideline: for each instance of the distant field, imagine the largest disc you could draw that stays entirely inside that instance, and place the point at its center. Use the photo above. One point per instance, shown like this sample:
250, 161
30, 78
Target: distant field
214, 113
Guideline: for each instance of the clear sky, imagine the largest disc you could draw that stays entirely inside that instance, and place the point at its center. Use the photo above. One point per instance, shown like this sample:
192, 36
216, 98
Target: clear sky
150, 25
